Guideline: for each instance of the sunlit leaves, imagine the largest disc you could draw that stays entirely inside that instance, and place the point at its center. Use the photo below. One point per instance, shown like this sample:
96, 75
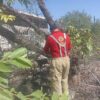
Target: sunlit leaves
76, 19
2, 80
17, 58
16, 53
5, 94
6, 18
4, 67
38, 95
81, 41
56, 96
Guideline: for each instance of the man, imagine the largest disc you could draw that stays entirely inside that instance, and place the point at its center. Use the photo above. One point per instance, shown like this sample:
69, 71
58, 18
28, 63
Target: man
58, 45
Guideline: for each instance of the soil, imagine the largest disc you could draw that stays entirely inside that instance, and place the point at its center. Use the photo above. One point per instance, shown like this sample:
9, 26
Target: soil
86, 84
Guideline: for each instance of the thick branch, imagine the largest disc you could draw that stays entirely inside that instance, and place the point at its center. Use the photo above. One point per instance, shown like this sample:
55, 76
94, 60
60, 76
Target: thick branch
24, 18
15, 38
45, 12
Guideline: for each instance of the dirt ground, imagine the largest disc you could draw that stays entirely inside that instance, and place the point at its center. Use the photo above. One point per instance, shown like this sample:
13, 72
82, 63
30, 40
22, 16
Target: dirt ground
86, 84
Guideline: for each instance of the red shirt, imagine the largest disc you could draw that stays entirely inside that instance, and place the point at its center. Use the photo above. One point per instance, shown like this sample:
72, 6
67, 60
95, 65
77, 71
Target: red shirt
51, 47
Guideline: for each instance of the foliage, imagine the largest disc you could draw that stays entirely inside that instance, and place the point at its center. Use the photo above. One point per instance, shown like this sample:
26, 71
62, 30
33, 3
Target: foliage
55, 96
5, 17
81, 41
76, 19
10, 61
6, 66
16, 58
79, 25
82, 45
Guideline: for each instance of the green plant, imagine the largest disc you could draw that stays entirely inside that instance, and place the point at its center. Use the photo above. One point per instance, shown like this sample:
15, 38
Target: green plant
81, 40
18, 59
10, 61
56, 96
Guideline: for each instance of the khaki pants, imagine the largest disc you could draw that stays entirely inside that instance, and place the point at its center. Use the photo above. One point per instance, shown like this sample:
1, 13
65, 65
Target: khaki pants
59, 75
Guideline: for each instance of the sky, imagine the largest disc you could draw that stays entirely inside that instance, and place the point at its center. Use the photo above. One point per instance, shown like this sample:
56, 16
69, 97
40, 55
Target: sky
59, 8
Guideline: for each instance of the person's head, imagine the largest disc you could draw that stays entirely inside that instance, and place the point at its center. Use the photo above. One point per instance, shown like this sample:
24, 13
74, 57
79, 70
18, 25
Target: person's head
54, 27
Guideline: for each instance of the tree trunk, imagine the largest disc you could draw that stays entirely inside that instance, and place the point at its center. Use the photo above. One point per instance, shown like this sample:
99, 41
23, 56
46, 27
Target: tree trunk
21, 40
46, 13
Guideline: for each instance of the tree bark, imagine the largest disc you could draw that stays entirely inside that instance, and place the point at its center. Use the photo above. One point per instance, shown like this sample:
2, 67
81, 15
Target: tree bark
21, 40
46, 13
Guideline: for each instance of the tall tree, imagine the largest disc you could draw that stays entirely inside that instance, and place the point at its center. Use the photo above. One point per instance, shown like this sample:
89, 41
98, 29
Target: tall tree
76, 19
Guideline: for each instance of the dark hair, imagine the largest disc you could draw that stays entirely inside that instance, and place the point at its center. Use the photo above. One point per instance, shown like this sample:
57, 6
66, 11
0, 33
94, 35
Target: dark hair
53, 26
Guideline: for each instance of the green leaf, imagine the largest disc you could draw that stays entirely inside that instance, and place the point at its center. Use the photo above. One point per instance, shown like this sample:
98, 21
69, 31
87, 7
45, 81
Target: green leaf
25, 61
3, 97
5, 19
21, 96
37, 94
5, 93
2, 85
89, 47
5, 68
63, 97
7, 54
55, 96
3, 80
19, 63
18, 52
78, 41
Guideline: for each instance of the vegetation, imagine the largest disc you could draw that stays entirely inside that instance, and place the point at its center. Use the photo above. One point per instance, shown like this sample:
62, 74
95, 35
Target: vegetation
82, 32
11, 61
76, 19
82, 41
6, 18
